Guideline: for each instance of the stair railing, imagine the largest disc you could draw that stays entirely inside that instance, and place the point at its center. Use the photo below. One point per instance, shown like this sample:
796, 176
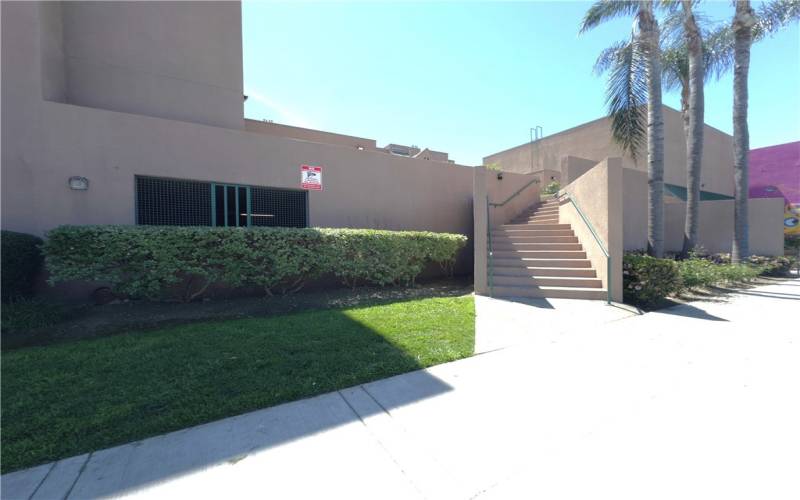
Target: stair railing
490, 205
600, 242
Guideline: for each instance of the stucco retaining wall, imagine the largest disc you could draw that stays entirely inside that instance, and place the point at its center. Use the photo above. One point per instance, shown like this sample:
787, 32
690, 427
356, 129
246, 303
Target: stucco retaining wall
598, 193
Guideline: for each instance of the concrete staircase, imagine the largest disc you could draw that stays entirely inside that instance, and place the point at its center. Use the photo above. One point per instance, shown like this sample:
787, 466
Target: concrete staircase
535, 256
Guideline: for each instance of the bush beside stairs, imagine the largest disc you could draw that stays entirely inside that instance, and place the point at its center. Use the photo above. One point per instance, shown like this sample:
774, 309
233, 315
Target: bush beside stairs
535, 256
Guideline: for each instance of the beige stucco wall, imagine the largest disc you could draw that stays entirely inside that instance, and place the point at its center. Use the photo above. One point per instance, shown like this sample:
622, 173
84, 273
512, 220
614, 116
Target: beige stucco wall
592, 141
516, 193
46, 142
306, 134
177, 60
598, 193
573, 167
634, 209
715, 231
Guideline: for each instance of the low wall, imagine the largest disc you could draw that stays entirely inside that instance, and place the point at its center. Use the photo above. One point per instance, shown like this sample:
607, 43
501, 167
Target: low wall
504, 190
715, 230
598, 193
634, 209
573, 167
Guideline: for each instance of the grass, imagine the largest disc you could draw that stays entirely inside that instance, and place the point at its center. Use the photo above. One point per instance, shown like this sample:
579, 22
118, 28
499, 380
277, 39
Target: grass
26, 314
65, 399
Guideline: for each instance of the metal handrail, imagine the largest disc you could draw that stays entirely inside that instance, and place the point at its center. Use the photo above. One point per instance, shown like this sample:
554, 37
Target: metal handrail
489, 263
490, 258
518, 191
599, 241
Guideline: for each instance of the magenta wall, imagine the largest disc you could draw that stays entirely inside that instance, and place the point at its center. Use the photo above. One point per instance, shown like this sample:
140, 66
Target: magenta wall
775, 172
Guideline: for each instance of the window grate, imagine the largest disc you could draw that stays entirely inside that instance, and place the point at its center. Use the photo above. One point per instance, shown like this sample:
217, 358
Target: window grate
278, 207
172, 202
177, 202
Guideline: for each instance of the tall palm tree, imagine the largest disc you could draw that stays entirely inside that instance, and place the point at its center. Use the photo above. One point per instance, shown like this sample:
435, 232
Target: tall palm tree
694, 127
626, 90
743, 22
647, 50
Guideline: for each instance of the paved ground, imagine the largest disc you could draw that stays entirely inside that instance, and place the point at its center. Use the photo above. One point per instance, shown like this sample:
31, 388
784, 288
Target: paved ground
698, 401
501, 323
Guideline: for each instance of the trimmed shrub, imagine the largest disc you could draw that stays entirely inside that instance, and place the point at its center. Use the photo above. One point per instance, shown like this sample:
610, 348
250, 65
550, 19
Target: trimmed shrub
21, 262
768, 266
552, 188
156, 261
647, 280
697, 273
704, 272
737, 273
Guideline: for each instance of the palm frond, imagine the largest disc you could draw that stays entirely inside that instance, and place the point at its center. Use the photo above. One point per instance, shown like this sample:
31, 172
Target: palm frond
608, 57
718, 51
626, 98
674, 67
772, 16
606, 10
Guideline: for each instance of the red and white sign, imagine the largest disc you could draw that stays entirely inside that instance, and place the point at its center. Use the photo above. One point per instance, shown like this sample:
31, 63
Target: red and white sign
311, 177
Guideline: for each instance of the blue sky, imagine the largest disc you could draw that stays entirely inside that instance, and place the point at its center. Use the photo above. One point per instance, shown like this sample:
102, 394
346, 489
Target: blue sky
469, 78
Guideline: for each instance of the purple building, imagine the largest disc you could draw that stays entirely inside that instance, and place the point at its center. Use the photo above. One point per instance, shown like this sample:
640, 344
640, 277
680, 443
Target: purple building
774, 173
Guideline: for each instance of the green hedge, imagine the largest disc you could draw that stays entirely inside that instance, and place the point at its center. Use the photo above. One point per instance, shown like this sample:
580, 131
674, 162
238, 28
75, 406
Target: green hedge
768, 266
160, 262
21, 262
703, 272
647, 280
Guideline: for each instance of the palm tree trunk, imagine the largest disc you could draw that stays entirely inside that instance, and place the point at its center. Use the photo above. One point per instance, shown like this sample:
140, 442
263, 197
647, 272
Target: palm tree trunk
655, 131
743, 22
694, 133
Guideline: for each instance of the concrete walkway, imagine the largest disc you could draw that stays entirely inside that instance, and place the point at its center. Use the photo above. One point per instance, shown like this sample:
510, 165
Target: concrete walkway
501, 323
698, 401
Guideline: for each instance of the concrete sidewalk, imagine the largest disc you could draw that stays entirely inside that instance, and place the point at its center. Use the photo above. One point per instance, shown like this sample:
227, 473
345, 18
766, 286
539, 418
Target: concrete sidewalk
697, 401
501, 323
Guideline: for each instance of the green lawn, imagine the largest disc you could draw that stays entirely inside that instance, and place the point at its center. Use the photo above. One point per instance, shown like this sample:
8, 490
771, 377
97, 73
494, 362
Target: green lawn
65, 399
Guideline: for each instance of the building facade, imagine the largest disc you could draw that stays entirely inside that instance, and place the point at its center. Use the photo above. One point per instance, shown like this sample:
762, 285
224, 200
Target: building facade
132, 113
593, 141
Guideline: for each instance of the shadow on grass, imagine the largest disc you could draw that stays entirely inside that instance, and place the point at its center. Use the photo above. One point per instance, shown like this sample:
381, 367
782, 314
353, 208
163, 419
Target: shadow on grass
77, 397
88, 321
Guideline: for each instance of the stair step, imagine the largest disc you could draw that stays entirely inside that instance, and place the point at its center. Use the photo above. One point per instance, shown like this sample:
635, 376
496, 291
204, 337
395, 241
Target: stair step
526, 262
508, 240
550, 292
532, 233
541, 213
503, 245
539, 254
560, 281
562, 272
522, 227
548, 220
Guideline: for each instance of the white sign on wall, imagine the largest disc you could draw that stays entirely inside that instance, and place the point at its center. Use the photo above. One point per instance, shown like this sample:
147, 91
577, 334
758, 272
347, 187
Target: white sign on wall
311, 177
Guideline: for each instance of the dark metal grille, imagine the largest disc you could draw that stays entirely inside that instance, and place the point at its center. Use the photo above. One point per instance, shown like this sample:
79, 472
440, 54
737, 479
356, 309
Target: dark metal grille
175, 202
278, 207
172, 202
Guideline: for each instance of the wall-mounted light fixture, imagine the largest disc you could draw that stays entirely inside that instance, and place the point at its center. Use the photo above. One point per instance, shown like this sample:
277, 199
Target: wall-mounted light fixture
78, 183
